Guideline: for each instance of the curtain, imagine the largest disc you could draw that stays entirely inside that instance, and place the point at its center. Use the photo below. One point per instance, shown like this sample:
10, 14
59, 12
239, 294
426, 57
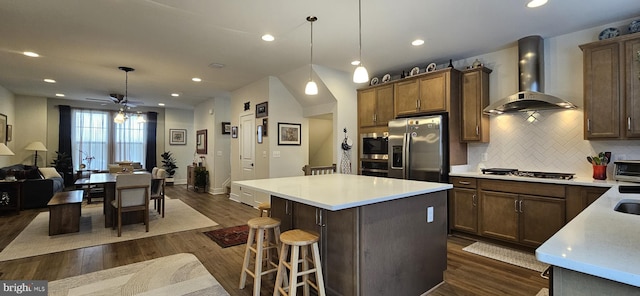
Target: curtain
64, 139
152, 127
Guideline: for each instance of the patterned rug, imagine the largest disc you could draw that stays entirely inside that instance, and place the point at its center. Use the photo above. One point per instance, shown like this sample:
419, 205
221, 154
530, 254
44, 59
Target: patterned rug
230, 236
35, 240
180, 274
511, 256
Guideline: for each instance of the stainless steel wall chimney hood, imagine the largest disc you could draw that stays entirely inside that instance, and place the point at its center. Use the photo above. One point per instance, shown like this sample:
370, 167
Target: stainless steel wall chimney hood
531, 96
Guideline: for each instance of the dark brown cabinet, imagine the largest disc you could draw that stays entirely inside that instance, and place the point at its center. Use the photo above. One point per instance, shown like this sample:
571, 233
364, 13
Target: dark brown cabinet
519, 212
10, 195
463, 211
580, 197
520, 215
475, 97
612, 88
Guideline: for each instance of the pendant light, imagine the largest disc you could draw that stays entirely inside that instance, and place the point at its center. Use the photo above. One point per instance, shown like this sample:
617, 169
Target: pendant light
312, 87
121, 117
360, 75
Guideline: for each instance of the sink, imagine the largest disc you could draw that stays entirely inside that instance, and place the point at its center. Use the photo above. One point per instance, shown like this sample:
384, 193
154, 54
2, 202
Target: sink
628, 206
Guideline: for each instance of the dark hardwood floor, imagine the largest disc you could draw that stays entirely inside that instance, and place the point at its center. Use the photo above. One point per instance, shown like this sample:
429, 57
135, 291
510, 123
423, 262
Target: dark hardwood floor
467, 274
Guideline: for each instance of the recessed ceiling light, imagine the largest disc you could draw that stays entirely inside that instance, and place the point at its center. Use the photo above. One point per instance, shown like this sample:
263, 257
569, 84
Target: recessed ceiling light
160, 104
216, 65
268, 37
175, 95
59, 95
47, 80
31, 54
196, 79
355, 63
536, 3
417, 42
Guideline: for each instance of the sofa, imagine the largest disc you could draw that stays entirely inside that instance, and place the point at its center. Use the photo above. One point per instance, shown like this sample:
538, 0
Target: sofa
37, 188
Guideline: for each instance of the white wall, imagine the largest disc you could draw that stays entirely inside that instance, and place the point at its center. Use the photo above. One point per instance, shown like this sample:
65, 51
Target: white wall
184, 154
31, 112
554, 142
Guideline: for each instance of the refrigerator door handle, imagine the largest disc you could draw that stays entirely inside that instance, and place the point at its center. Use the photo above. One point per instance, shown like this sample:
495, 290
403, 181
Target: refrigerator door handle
405, 155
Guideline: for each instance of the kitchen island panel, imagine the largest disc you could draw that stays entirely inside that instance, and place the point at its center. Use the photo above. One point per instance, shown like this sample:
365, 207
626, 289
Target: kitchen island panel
401, 252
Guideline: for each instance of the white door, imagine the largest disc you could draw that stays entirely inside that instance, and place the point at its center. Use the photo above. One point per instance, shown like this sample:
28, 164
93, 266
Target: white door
247, 157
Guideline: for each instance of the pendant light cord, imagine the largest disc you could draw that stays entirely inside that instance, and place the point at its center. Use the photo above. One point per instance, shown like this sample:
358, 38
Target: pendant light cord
360, 29
311, 61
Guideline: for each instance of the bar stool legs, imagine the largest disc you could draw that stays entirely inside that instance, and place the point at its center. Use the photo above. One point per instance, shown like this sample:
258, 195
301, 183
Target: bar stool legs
258, 229
293, 240
265, 208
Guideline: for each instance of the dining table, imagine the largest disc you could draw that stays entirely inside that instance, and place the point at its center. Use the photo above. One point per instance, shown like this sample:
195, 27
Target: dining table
108, 181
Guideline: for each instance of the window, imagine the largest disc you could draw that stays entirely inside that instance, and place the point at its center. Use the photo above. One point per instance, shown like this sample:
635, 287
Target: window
97, 141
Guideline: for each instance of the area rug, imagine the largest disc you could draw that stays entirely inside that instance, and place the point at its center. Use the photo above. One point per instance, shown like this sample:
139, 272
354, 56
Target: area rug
230, 236
511, 256
180, 274
543, 292
35, 240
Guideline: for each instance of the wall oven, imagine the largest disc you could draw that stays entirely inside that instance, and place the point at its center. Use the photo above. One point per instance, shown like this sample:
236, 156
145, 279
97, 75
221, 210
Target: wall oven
374, 167
374, 146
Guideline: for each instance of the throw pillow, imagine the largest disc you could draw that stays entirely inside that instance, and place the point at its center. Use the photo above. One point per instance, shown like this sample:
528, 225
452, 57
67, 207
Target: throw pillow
49, 173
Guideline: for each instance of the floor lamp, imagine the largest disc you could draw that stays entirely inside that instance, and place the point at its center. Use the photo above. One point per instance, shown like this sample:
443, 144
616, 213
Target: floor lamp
36, 146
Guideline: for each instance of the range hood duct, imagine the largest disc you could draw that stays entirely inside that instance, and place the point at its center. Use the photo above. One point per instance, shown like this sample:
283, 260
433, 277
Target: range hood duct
531, 96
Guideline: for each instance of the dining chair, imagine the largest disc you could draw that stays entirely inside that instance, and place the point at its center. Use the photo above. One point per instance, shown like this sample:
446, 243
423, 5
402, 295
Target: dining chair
319, 170
132, 194
157, 189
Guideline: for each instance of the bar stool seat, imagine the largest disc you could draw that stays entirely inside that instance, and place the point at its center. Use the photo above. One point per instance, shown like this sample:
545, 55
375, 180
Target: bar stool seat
259, 228
294, 240
265, 207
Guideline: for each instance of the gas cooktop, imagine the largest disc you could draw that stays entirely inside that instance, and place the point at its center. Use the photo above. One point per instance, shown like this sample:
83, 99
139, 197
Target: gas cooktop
516, 172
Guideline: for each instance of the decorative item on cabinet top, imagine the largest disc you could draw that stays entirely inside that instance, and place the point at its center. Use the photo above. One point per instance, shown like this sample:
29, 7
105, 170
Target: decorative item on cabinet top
386, 78
634, 27
609, 33
374, 81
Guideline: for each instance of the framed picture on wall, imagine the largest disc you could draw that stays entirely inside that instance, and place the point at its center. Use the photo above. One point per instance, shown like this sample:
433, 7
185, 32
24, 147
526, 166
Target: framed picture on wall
3, 129
177, 137
201, 141
226, 128
262, 110
289, 133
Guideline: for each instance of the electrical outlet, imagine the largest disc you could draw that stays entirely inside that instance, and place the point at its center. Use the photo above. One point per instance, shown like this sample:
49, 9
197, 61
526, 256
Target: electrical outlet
276, 154
429, 214
485, 156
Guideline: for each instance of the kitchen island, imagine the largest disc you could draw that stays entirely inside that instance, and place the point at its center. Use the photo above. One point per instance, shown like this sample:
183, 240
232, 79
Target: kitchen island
378, 236
597, 252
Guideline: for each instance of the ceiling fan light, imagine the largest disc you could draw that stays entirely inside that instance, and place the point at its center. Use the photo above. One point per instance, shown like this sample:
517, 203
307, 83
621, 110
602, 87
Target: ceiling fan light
141, 119
311, 88
360, 75
119, 119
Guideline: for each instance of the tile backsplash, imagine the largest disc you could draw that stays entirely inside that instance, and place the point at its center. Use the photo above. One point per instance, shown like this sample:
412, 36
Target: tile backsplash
550, 140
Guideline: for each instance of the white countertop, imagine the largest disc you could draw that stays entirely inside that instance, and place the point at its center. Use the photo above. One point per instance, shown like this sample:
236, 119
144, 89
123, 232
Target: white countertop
341, 191
599, 241
577, 180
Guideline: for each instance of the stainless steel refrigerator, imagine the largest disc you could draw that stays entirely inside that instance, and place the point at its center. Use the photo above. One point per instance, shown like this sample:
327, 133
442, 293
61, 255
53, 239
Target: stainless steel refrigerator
418, 148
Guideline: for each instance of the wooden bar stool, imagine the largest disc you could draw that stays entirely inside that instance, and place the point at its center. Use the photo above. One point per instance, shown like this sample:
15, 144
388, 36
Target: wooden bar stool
265, 208
295, 239
258, 228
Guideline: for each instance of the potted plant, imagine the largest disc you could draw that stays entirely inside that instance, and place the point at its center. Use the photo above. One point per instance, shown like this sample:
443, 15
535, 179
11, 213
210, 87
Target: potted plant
63, 165
169, 164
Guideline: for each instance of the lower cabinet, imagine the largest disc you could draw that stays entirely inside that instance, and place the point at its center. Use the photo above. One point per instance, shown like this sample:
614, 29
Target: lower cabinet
525, 213
580, 197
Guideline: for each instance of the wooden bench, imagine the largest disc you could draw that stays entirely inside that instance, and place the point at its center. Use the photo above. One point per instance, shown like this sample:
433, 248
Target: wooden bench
64, 212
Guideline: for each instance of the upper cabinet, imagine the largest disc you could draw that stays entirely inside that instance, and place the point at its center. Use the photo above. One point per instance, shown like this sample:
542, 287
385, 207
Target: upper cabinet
475, 97
612, 88
375, 106
427, 93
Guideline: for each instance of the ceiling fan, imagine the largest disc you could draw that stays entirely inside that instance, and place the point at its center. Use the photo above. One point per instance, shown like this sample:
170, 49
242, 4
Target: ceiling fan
117, 99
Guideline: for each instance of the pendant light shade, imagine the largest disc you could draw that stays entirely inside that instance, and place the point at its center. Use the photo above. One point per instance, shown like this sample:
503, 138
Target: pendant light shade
312, 87
360, 75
